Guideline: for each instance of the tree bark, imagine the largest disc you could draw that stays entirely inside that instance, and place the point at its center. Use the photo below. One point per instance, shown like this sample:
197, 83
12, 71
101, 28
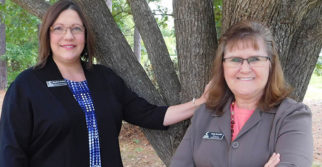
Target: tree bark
196, 44
137, 44
296, 26
35, 7
162, 65
3, 62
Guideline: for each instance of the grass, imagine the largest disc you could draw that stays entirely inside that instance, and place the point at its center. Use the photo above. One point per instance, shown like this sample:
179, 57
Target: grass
316, 81
314, 90
316, 164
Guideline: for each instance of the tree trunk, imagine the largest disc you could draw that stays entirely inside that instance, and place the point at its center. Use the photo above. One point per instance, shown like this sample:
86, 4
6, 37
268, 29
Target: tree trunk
3, 62
196, 44
137, 44
301, 57
297, 28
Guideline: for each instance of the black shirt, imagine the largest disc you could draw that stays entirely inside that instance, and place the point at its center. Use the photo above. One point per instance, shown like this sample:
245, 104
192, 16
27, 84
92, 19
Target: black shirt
44, 126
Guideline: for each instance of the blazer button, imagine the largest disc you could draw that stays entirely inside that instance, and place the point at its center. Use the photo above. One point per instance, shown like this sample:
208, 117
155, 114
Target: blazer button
235, 144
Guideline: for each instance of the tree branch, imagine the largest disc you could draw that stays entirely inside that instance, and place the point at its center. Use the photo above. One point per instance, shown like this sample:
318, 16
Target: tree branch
157, 51
35, 7
163, 14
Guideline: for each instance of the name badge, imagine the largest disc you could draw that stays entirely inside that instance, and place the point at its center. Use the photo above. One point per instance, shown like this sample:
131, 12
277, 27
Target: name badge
213, 135
56, 83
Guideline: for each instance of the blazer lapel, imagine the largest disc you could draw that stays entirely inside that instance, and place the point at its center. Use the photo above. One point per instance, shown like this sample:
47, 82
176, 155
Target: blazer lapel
50, 72
78, 130
224, 122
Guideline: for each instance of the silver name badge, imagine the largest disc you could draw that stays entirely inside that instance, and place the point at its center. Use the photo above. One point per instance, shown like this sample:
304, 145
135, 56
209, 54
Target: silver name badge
213, 135
56, 83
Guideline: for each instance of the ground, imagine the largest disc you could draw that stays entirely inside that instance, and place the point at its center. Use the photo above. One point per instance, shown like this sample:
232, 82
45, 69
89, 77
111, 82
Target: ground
316, 108
137, 152
135, 149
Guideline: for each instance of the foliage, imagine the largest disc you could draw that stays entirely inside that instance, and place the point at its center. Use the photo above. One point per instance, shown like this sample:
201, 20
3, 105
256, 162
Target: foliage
20, 57
161, 13
51, 1
318, 67
122, 15
21, 39
217, 5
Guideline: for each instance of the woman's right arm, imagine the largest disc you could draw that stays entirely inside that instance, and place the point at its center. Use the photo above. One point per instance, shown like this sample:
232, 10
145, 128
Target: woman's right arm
295, 141
15, 129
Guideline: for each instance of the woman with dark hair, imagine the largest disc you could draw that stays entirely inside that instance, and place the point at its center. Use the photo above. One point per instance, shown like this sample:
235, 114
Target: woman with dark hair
248, 119
67, 112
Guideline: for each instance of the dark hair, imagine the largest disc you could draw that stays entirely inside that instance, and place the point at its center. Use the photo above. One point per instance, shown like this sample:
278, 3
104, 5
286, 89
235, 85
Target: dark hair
44, 39
276, 88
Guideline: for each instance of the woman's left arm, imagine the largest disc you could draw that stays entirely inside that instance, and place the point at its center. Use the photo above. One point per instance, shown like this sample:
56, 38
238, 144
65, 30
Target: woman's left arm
295, 141
138, 111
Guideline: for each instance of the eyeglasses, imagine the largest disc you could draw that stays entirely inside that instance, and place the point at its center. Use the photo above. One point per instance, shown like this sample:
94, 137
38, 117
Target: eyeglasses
61, 29
254, 61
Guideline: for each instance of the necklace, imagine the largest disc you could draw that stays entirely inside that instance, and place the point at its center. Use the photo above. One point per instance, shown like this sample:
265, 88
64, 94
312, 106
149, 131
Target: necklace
232, 120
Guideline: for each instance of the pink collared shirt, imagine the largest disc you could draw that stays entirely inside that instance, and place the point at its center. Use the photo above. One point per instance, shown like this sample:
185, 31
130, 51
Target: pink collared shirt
240, 117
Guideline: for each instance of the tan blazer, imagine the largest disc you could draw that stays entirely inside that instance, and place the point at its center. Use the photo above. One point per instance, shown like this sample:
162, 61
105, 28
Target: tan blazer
286, 129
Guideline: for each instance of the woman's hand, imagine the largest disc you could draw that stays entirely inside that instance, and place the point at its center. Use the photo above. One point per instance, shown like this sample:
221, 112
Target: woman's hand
205, 93
181, 112
273, 160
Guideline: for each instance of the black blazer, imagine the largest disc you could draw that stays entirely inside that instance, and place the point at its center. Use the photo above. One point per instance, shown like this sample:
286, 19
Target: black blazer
44, 126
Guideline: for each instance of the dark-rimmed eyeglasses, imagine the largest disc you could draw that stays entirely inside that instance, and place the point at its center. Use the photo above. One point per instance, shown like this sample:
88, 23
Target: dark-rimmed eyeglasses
253, 61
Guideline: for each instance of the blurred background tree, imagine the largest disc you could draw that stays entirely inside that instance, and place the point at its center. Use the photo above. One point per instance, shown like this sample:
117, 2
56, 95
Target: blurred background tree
21, 39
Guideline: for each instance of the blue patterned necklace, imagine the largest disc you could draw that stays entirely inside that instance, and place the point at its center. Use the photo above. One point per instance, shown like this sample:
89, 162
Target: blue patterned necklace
82, 95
